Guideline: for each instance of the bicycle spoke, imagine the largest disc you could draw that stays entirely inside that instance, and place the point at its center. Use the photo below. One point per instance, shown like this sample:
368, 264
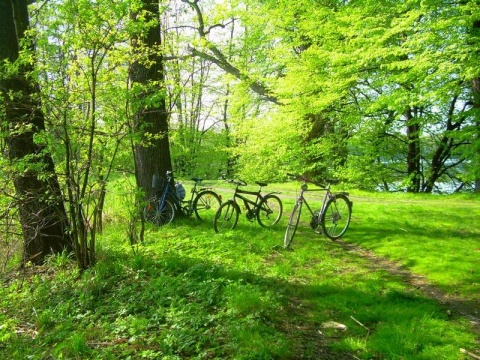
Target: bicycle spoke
336, 217
158, 213
226, 217
206, 205
269, 211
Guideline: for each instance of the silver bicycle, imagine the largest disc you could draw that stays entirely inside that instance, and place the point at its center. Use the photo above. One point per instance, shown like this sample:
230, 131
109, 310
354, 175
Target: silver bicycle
333, 217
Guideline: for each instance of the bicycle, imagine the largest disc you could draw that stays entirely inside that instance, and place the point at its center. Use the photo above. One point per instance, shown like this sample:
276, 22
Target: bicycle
267, 209
334, 214
169, 201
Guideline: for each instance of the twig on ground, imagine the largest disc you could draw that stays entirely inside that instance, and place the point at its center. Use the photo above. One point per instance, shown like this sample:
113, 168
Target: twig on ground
470, 354
359, 323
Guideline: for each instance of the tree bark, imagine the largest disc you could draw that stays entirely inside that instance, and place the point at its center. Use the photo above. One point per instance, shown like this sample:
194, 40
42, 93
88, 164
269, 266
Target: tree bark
152, 154
42, 213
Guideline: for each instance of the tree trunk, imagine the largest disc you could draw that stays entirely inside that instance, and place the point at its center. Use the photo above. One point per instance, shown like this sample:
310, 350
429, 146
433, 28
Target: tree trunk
152, 154
42, 213
476, 97
413, 153
476, 105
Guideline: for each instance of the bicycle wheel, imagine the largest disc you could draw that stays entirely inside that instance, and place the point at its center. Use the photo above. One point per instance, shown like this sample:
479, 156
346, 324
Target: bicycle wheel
269, 210
206, 204
336, 216
159, 215
226, 217
292, 224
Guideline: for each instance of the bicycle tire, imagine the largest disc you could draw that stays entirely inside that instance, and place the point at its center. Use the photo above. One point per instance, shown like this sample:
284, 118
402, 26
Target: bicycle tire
336, 216
226, 217
159, 216
206, 205
292, 225
269, 210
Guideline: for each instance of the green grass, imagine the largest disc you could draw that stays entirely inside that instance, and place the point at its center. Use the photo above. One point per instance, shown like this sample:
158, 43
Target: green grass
188, 293
436, 236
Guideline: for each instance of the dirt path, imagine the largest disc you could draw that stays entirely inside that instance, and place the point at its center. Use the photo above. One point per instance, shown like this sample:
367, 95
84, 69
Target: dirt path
453, 304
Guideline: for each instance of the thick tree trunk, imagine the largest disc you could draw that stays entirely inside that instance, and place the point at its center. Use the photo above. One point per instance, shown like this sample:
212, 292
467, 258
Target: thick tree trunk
152, 154
42, 213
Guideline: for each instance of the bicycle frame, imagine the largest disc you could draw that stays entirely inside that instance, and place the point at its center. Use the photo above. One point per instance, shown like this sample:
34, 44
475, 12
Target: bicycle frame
251, 205
166, 189
246, 201
328, 195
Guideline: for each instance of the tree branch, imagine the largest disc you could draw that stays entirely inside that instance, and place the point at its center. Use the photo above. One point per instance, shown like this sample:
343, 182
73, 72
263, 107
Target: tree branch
219, 59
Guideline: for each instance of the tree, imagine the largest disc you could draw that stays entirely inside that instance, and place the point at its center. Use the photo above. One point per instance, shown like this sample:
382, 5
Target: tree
152, 152
42, 213
354, 67
81, 64
193, 100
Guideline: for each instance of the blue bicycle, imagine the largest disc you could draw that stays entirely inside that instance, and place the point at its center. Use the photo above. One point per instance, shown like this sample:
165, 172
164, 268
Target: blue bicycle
169, 201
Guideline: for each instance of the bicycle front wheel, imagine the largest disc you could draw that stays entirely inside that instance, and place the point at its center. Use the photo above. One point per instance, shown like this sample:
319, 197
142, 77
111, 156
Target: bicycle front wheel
206, 205
269, 210
336, 216
159, 214
292, 225
226, 217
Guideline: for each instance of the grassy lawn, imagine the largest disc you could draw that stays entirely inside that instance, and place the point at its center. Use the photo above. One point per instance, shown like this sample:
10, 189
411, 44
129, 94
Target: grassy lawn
188, 293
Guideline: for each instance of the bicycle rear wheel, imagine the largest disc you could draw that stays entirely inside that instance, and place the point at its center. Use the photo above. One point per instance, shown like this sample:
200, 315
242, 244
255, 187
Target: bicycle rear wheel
269, 210
336, 216
292, 224
159, 214
226, 217
206, 205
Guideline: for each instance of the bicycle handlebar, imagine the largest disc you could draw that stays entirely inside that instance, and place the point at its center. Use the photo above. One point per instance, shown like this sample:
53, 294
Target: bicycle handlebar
307, 180
238, 182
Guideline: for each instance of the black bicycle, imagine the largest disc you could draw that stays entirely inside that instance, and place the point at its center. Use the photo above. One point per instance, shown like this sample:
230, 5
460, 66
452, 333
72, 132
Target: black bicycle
333, 216
169, 201
267, 209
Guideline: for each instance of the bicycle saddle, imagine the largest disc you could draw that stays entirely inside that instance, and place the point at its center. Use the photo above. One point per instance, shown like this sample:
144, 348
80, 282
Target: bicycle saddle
197, 179
261, 183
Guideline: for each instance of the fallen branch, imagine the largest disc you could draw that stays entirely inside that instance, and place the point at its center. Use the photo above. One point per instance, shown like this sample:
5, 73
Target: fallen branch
463, 351
359, 323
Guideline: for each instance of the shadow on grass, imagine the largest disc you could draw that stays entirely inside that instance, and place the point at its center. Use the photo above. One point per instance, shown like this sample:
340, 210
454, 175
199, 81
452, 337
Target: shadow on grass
433, 249
169, 302
193, 294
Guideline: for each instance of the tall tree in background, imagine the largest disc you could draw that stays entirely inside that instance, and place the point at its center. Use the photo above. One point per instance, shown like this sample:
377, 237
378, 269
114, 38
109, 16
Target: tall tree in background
152, 152
42, 213
476, 100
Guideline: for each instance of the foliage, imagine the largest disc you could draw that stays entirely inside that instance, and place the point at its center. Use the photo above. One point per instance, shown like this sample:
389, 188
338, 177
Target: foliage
81, 67
371, 79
